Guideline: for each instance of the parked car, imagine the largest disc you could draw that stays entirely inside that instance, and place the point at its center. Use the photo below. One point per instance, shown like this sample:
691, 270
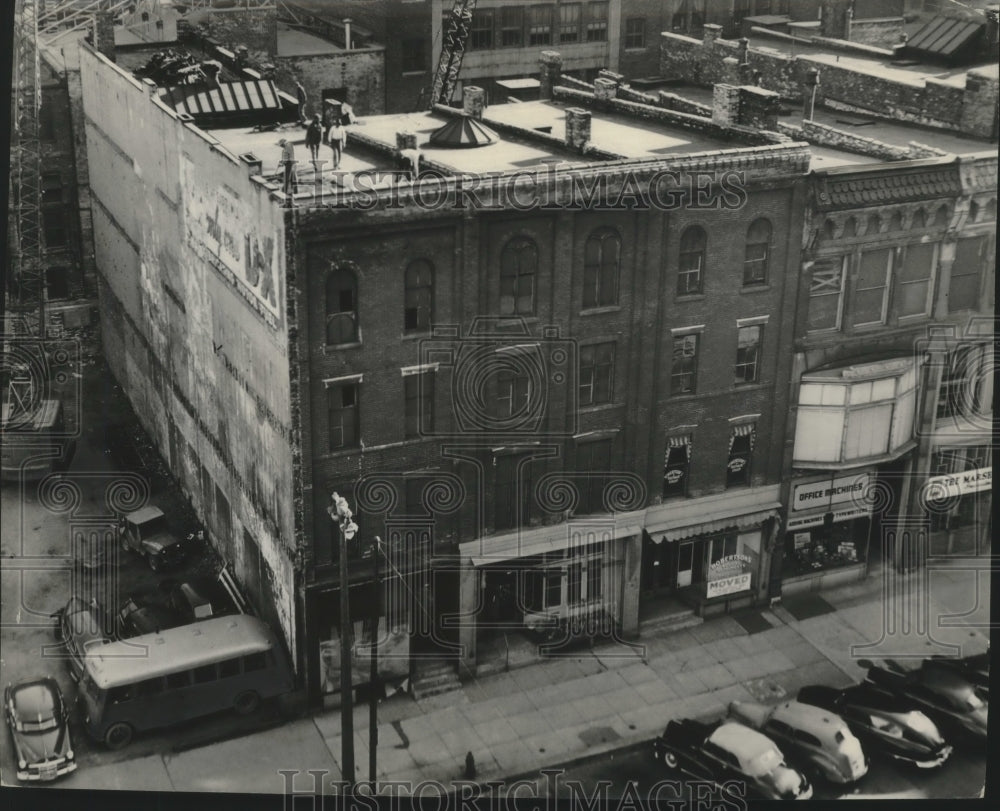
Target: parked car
975, 669
200, 599
883, 722
145, 531
814, 739
92, 552
721, 751
38, 722
946, 697
139, 616
79, 626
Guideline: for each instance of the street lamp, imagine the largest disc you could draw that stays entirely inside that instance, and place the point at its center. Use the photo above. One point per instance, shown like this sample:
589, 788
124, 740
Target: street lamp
373, 663
341, 513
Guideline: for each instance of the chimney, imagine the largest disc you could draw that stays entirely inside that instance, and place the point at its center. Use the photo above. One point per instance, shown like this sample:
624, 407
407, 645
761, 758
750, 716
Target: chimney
577, 127
242, 55
759, 108
810, 89
605, 89
473, 101
347, 32
710, 33
104, 34
743, 49
550, 71
252, 163
406, 140
726, 104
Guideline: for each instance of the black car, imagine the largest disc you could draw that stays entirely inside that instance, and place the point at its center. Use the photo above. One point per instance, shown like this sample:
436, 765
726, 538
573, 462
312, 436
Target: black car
883, 722
946, 697
723, 751
201, 598
139, 616
975, 668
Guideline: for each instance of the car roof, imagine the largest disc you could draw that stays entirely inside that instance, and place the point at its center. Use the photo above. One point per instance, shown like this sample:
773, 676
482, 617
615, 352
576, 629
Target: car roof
808, 717
742, 741
36, 698
939, 678
876, 698
144, 514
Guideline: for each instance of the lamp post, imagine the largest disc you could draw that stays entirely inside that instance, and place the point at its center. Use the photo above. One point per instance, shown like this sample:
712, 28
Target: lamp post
373, 673
341, 513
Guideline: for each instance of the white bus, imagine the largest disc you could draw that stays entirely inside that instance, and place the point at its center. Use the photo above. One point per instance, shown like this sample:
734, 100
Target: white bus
160, 679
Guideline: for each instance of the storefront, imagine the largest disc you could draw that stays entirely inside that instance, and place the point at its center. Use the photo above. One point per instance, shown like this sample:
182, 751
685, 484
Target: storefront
827, 532
958, 499
710, 553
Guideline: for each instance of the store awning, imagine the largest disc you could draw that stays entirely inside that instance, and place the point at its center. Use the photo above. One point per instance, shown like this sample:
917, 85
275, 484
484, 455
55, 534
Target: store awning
526, 543
721, 520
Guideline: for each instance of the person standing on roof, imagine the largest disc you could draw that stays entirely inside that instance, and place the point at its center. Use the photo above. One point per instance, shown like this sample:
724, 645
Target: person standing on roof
314, 137
336, 137
300, 93
288, 162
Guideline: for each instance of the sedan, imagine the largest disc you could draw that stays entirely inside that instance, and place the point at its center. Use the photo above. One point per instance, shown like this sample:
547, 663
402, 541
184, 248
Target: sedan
814, 739
883, 723
722, 752
138, 616
946, 697
975, 669
38, 721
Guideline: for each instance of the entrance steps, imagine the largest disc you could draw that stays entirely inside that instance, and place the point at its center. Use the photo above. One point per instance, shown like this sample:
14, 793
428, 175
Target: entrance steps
670, 619
434, 677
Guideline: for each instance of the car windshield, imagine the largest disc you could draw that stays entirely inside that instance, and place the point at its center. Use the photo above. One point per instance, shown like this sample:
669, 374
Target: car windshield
764, 763
153, 526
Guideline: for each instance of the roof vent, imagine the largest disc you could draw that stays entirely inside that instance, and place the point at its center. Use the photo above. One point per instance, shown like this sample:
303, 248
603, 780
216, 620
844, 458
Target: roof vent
463, 132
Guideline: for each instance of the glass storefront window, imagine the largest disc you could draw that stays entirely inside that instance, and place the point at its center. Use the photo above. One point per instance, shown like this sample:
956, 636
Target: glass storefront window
825, 546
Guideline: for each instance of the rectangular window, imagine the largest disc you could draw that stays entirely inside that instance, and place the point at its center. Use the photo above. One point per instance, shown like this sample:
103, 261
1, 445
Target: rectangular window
963, 290
966, 509
676, 466
916, 279
511, 27
755, 264
513, 393
229, 668
871, 288
343, 415
635, 32
178, 681
689, 272
481, 31
741, 443
52, 189
512, 492
966, 382
597, 372
597, 22
684, 369
57, 282
418, 396
413, 496
748, 354
46, 123
539, 25
593, 459
54, 227
569, 22
412, 58
254, 661
722, 548
826, 294
204, 674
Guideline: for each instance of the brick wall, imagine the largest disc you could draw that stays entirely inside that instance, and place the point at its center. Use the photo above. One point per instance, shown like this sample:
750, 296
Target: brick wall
362, 72
257, 29
881, 32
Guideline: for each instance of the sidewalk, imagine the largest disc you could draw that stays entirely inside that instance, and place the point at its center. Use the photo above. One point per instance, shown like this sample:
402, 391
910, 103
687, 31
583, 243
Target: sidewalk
576, 707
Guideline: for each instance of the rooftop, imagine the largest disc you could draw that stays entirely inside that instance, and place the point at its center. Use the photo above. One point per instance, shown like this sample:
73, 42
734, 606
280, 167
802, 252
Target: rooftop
295, 42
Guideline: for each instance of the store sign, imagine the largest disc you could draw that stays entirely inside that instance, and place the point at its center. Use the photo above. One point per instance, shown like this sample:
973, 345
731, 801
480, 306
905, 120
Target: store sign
939, 488
731, 562
822, 495
728, 585
674, 476
838, 515
737, 464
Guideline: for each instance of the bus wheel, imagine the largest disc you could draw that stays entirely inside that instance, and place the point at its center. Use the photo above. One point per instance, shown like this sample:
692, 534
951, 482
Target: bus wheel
246, 703
118, 735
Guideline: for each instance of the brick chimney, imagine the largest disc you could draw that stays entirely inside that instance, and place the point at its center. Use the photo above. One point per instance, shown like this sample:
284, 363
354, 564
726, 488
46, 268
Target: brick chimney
577, 127
710, 32
406, 140
104, 34
759, 108
473, 101
726, 104
550, 71
605, 89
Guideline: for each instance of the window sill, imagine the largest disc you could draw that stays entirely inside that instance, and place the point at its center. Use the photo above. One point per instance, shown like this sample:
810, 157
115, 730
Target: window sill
412, 72
415, 335
338, 347
611, 308
593, 409
340, 453
757, 384
755, 288
681, 299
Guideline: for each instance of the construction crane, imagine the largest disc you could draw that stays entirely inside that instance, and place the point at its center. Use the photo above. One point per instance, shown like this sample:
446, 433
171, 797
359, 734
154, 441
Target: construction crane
453, 40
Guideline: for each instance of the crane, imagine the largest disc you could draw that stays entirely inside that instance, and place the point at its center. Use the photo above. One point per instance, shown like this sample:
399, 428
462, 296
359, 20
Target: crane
453, 39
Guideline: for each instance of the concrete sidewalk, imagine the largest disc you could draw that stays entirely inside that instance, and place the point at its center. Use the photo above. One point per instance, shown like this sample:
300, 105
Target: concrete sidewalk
581, 706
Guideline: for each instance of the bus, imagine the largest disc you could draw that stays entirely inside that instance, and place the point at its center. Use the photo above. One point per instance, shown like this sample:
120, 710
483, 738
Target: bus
160, 679
35, 444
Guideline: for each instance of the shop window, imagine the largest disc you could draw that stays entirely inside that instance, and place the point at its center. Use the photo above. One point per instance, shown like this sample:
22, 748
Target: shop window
557, 582
684, 368
741, 444
481, 30
342, 325
826, 294
57, 283
518, 268
594, 460
916, 279
966, 382
343, 415
418, 398
748, 343
719, 548
539, 25
676, 466
691, 262
412, 55
827, 542
635, 33
963, 289
418, 295
597, 373
602, 263
758, 249
871, 288
966, 501
511, 27
597, 22
570, 15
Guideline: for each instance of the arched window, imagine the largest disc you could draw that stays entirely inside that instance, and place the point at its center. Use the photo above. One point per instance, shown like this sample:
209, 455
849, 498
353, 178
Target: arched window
758, 253
691, 263
342, 307
602, 261
518, 268
418, 297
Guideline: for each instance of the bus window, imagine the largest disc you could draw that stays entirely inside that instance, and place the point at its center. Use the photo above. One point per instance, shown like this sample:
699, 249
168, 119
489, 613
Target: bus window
119, 695
255, 661
229, 667
178, 680
150, 687
203, 674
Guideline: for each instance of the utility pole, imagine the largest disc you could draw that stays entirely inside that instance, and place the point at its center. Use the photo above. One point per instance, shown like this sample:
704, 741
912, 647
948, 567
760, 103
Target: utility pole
341, 513
373, 672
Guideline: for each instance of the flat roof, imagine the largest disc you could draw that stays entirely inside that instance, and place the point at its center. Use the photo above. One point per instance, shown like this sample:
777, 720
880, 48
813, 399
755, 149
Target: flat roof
294, 42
